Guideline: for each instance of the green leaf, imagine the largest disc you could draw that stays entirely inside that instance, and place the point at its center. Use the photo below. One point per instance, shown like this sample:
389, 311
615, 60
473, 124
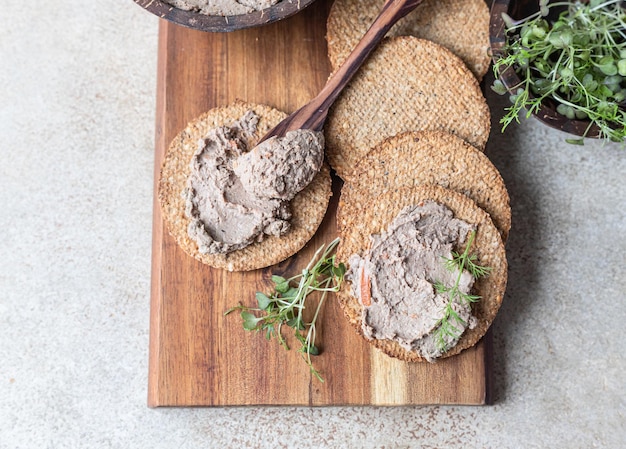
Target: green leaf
607, 65
282, 287
440, 287
471, 298
560, 39
250, 321
278, 279
296, 323
455, 316
566, 72
451, 264
539, 31
581, 115
499, 87
312, 350
575, 141
562, 109
325, 269
339, 270
263, 300
476, 270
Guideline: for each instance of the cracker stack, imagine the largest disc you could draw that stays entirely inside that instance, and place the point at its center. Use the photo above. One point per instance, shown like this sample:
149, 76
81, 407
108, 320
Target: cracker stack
411, 168
308, 207
411, 127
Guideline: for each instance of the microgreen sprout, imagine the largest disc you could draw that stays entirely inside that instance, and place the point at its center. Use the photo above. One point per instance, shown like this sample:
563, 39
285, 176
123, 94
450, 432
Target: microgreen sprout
578, 61
285, 305
450, 323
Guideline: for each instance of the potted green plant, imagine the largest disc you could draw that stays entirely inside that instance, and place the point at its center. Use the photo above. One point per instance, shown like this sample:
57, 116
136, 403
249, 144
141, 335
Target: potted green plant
563, 62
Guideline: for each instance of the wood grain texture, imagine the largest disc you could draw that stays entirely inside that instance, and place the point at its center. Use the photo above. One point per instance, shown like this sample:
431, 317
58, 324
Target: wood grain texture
198, 356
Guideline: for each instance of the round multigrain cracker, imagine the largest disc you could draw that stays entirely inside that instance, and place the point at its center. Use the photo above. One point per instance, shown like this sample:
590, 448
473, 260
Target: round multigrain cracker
308, 207
488, 247
407, 84
433, 158
462, 26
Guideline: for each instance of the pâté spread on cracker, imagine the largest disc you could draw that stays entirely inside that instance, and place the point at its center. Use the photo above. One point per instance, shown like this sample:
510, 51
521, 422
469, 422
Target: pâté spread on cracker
427, 272
237, 195
402, 281
235, 205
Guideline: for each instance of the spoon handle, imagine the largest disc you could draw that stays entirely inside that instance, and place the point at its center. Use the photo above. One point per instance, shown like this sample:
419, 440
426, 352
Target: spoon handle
313, 114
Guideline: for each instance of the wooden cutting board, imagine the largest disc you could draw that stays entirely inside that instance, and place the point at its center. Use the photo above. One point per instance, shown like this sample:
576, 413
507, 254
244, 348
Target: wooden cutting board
198, 356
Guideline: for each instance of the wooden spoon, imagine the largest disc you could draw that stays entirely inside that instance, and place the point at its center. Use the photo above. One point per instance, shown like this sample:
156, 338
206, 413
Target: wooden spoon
313, 114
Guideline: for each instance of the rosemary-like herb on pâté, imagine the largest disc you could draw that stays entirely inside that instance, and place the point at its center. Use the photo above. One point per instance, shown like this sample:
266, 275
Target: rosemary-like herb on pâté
285, 305
447, 324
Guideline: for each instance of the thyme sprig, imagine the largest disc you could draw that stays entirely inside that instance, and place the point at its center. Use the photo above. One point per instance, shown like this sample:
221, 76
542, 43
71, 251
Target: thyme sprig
450, 323
285, 305
578, 61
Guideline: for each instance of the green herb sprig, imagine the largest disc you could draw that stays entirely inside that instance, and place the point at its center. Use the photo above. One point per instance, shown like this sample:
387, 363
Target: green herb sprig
285, 305
447, 324
579, 61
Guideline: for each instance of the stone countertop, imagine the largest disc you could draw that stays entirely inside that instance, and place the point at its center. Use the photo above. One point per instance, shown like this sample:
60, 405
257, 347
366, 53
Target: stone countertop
77, 105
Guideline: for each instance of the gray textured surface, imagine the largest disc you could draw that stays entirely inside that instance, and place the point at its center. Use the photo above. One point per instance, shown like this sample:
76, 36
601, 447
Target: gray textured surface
76, 145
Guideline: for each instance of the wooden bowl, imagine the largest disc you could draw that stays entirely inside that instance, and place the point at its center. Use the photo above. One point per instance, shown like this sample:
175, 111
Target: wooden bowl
518, 9
203, 22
